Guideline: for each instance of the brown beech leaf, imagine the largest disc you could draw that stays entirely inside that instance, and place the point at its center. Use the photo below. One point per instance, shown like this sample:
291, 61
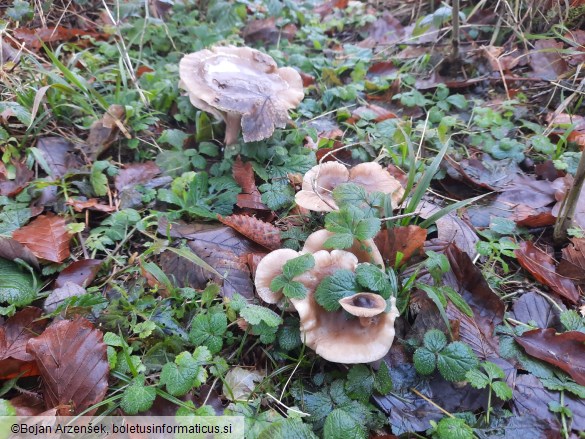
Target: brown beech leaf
244, 175
566, 350
532, 307
372, 112
59, 154
91, 204
572, 264
252, 228
265, 31
23, 175
14, 335
407, 240
81, 273
477, 332
28, 405
11, 249
47, 237
136, 173
34, 37
71, 357
541, 266
103, 132
486, 172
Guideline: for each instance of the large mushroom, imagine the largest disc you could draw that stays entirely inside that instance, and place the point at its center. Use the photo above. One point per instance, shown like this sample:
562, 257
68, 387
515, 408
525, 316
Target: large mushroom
365, 251
241, 86
319, 182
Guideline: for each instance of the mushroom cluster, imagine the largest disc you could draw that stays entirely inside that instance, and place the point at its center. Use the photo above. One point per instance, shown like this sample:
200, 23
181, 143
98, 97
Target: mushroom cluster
360, 331
319, 182
241, 86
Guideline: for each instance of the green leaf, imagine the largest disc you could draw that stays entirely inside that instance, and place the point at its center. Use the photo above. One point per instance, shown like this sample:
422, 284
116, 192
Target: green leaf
175, 138
360, 382
208, 330
458, 301
277, 196
572, 321
434, 340
371, 277
425, 361
254, 314
563, 382
294, 290
98, 179
334, 288
349, 222
289, 335
13, 217
297, 266
341, 425
454, 428
383, 381
455, 360
137, 397
477, 378
493, 370
17, 287
502, 390
186, 372
458, 101
291, 428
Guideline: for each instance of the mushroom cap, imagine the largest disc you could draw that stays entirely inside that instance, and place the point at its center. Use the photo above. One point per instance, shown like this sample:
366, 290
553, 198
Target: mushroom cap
363, 304
269, 267
365, 251
319, 182
245, 84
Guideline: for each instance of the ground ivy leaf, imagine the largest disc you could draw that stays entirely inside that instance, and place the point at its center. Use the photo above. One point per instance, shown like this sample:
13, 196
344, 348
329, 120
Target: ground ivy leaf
208, 330
455, 360
371, 277
335, 287
137, 397
424, 361
297, 266
186, 372
360, 382
341, 425
254, 314
502, 390
477, 378
383, 380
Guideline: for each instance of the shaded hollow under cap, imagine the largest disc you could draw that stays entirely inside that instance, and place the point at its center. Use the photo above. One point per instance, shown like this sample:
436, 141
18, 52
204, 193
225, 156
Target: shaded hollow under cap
319, 182
242, 86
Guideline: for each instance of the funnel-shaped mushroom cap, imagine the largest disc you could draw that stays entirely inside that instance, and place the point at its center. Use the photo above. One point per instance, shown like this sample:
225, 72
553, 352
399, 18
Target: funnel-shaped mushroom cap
364, 304
269, 267
365, 251
319, 182
242, 86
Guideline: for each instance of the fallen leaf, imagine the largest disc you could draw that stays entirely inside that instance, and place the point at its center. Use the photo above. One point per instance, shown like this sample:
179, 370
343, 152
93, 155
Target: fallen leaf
91, 204
501, 60
486, 172
80, 272
14, 335
386, 30
28, 405
532, 307
371, 112
59, 295
135, 173
47, 237
104, 132
71, 357
33, 37
546, 59
476, 331
59, 154
572, 264
244, 175
541, 266
254, 229
11, 250
327, 7
23, 176
265, 31
566, 350
239, 383
407, 240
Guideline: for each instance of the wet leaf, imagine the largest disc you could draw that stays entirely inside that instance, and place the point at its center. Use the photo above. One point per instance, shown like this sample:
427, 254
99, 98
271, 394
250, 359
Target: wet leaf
532, 307
254, 229
408, 240
572, 264
244, 176
134, 174
17, 286
47, 237
103, 132
239, 383
14, 335
11, 249
80, 272
566, 350
23, 175
71, 357
59, 295
541, 266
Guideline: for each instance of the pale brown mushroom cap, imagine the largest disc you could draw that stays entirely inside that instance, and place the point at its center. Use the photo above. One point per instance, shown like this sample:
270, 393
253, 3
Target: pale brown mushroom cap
269, 267
364, 304
242, 86
374, 178
365, 251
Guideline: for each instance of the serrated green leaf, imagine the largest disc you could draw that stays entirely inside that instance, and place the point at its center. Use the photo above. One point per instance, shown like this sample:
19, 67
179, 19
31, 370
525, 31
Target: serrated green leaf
297, 266
493, 371
339, 241
371, 277
350, 221
98, 179
455, 360
137, 397
434, 340
342, 425
175, 138
383, 381
289, 336
333, 288
502, 390
291, 428
454, 428
208, 330
458, 301
254, 314
294, 290
573, 321
360, 383
13, 218
425, 361
186, 372
350, 194
17, 287
477, 378
277, 196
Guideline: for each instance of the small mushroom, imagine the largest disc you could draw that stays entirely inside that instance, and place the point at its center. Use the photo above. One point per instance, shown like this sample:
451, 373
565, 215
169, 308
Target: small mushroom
319, 182
366, 306
269, 267
241, 86
365, 251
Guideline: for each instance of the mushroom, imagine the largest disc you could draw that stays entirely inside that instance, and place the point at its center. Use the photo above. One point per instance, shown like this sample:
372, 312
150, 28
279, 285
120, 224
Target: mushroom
241, 86
319, 182
365, 251
269, 267
366, 306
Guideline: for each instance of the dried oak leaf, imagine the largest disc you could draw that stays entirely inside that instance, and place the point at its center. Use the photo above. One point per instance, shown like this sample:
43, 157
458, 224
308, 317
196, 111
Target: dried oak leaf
566, 350
47, 237
572, 264
71, 357
254, 229
407, 240
14, 335
541, 266
244, 175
